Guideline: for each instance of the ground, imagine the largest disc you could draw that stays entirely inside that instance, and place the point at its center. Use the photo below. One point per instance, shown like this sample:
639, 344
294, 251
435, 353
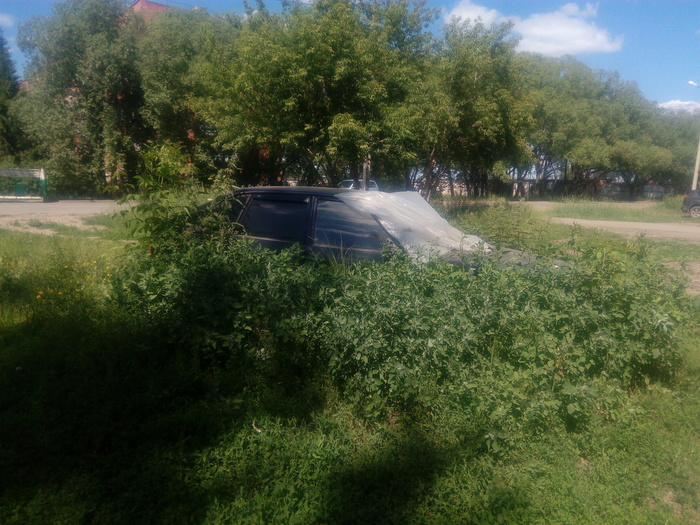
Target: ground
681, 231
33, 215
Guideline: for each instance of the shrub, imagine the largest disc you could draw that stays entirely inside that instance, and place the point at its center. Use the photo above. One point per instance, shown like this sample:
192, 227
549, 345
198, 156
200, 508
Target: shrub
557, 344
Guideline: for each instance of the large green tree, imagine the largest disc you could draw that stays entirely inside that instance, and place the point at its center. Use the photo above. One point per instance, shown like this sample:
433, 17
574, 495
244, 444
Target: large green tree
483, 83
317, 89
592, 125
171, 50
83, 96
311, 88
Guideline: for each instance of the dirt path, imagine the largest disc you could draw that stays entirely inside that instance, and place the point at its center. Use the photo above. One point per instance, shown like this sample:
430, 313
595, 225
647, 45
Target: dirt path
28, 215
665, 230
678, 231
683, 231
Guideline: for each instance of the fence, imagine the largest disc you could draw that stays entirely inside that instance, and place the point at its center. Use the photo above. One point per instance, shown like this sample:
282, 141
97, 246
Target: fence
22, 184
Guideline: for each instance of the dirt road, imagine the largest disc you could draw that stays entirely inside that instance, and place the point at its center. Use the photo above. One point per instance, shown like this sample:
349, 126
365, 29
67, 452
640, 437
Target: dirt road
28, 215
677, 231
681, 231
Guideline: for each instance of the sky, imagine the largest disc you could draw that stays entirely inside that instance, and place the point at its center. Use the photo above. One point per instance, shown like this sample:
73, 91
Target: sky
655, 43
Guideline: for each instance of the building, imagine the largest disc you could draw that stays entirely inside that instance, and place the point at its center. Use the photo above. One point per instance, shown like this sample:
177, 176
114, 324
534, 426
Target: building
146, 9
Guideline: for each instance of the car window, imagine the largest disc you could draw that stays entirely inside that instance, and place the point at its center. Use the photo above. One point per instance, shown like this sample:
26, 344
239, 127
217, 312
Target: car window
281, 217
338, 225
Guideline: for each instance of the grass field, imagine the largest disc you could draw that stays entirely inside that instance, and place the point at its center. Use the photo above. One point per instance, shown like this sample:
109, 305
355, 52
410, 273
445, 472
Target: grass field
204, 381
667, 210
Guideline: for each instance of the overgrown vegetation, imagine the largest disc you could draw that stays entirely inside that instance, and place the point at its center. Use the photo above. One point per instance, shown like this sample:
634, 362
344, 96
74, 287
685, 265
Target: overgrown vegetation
208, 380
313, 91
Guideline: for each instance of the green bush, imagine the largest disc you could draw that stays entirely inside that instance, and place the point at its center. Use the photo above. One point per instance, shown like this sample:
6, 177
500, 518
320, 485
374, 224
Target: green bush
562, 342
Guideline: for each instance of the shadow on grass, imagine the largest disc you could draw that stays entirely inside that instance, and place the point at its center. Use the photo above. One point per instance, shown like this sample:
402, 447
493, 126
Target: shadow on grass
101, 417
384, 485
416, 480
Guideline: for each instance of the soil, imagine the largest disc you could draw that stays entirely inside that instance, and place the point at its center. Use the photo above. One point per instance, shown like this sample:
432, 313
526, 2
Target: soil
33, 216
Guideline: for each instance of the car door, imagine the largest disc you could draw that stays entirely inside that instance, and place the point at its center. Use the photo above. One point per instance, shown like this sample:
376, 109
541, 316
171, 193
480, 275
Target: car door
341, 233
277, 220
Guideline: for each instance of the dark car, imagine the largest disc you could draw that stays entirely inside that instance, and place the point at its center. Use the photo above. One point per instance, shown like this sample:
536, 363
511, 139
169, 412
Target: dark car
342, 224
691, 204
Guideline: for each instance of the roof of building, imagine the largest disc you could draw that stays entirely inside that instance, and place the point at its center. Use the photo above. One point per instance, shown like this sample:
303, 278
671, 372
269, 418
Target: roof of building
146, 8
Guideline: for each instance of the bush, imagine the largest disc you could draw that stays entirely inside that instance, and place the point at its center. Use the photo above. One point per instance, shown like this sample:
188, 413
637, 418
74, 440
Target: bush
558, 344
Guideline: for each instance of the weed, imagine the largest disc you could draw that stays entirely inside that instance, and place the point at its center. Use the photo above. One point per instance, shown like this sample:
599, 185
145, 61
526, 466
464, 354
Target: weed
210, 380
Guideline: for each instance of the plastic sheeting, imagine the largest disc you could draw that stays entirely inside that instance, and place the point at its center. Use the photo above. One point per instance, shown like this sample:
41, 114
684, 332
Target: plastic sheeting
415, 224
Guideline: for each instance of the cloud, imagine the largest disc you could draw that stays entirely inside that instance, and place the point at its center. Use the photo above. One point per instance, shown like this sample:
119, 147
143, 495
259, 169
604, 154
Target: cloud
6, 20
680, 105
467, 9
567, 31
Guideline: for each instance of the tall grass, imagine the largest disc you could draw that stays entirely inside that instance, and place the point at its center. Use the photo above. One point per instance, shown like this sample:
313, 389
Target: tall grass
210, 381
667, 210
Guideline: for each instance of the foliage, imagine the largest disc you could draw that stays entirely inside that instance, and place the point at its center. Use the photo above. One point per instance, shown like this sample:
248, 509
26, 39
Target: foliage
211, 379
10, 135
170, 53
82, 102
167, 195
315, 91
594, 125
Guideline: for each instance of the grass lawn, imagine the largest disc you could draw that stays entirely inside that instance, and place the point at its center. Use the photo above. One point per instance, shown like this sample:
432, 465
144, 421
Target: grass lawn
668, 210
153, 388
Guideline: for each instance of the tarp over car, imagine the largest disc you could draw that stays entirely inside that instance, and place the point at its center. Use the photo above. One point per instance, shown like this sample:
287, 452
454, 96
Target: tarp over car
415, 224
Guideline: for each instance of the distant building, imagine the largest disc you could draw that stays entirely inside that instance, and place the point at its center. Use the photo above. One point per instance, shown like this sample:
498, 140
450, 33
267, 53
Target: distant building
146, 9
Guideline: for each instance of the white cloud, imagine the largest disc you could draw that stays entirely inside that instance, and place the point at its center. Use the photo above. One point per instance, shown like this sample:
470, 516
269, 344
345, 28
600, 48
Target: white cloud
467, 9
567, 31
6, 20
680, 105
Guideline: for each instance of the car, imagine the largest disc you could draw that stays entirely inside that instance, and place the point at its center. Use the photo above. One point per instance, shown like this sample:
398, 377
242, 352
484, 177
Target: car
343, 224
350, 184
691, 204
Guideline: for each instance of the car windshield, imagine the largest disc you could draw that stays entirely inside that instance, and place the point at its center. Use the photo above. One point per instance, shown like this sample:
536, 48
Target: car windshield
409, 219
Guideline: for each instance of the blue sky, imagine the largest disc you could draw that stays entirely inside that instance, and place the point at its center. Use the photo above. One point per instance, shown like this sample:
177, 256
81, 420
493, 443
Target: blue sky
655, 43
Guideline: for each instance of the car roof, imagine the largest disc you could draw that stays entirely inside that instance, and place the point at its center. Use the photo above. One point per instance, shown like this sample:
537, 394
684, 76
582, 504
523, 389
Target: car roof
293, 190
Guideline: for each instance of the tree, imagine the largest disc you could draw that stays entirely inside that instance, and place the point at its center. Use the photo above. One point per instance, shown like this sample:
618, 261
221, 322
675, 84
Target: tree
593, 123
170, 51
482, 82
310, 89
9, 133
84, 94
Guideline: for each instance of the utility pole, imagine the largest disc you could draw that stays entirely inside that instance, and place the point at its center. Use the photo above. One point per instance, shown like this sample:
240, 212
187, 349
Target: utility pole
694, 186
365, 172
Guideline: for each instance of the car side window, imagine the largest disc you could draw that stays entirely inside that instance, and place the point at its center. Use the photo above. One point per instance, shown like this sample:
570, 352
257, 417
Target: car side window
340, 226
280, 217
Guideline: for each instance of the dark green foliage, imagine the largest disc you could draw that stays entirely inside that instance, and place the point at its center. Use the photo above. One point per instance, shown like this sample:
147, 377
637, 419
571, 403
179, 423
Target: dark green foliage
394, 336
9, 84
314, 91
210, 378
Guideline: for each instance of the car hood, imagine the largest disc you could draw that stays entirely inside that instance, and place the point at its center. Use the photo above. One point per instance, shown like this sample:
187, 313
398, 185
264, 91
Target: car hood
409, 219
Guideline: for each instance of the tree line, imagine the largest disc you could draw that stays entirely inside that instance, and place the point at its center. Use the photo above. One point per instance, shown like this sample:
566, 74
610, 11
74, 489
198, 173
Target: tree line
312, 93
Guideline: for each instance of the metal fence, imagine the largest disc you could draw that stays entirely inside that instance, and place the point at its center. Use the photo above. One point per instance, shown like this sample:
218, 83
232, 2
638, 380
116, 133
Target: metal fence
22, 184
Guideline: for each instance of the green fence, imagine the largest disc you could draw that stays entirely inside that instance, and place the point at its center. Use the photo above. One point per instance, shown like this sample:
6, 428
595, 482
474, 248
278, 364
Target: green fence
22, 184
